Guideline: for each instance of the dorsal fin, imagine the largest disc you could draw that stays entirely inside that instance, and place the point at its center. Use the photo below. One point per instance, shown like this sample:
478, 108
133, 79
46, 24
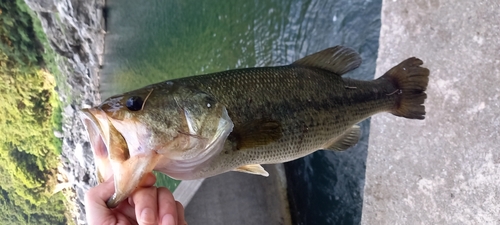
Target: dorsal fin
338, 59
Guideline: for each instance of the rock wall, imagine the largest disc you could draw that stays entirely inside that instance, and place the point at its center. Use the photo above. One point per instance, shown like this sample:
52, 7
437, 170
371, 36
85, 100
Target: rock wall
75, 30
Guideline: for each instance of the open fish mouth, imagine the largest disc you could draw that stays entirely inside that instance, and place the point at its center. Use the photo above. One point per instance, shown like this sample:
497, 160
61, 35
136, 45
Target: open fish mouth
112, 158
96, 124
115, 142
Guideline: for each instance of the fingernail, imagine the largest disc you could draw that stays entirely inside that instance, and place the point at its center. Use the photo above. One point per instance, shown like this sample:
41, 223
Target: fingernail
167, 220
148, 216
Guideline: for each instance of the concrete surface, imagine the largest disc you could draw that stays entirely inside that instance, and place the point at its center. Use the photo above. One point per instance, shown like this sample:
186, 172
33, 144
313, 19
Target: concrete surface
243, 199
186, 190
445, 169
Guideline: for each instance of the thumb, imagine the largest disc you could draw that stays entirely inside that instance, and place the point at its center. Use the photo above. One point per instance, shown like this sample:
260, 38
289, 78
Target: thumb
102, 192
95, 202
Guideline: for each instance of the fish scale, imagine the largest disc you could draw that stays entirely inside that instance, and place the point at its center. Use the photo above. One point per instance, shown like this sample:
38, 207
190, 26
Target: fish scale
236, 120
319, 105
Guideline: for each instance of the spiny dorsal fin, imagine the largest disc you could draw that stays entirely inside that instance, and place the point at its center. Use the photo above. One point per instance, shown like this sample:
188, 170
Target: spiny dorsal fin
256, 169
348, 139
338, 59
256, 133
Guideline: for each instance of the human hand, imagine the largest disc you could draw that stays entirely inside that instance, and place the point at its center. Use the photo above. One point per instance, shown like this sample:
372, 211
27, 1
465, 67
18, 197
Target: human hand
147, 205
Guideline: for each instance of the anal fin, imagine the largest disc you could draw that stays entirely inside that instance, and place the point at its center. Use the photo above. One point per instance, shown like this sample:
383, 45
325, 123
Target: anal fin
346, 140
256, 169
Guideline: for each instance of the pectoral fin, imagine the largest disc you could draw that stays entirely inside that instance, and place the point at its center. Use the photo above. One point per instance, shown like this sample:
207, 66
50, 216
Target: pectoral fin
346, 140
253, 169
256, 133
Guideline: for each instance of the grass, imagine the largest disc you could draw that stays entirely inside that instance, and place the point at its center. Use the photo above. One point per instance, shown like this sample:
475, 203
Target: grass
31, 112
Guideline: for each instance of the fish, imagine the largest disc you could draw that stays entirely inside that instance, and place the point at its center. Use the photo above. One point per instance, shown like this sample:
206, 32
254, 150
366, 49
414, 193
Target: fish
236, 120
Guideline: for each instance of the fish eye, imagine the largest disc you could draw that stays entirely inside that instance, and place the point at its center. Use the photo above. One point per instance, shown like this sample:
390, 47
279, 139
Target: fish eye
134, 103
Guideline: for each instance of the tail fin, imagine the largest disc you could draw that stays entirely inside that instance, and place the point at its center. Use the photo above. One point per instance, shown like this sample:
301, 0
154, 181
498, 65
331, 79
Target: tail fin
411, 82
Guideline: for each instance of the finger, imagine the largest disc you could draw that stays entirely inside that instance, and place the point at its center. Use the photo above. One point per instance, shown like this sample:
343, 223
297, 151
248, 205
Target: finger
95, 202
180, 213
167, 209
148, 180
128, 207
146, 205
102, 192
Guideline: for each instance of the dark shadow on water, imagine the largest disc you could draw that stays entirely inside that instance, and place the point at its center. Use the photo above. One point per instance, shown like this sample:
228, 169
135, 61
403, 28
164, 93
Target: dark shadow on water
327, 187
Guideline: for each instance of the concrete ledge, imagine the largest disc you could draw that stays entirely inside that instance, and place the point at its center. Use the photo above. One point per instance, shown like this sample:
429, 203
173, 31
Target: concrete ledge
445, 169
243, 199
186, 190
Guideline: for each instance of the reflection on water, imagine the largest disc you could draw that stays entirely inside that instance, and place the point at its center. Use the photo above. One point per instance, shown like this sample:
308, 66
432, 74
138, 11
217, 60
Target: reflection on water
151, 41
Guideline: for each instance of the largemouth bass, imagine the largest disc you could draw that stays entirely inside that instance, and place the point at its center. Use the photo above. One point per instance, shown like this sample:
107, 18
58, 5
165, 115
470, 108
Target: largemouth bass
236, 120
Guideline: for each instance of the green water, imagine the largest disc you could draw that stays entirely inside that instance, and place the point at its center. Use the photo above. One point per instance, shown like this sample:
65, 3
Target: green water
152, 41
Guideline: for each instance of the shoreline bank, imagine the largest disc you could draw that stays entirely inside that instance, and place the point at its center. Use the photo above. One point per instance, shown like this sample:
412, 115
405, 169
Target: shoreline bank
75, 30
